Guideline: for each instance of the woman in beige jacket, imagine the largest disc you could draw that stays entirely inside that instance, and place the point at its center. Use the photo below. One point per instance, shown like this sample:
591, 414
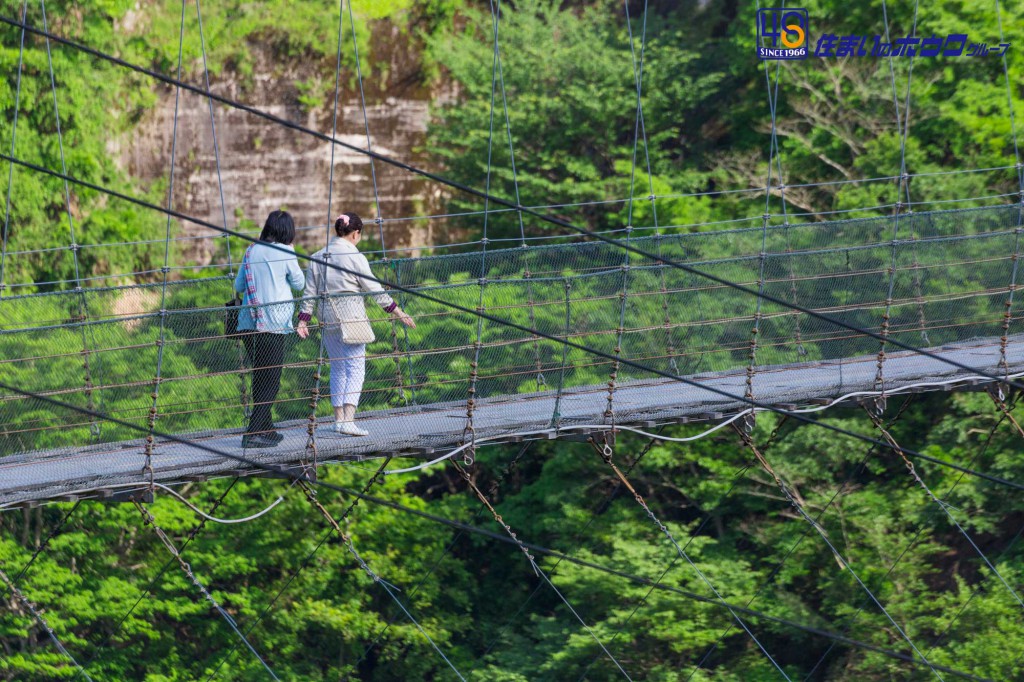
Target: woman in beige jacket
344, 317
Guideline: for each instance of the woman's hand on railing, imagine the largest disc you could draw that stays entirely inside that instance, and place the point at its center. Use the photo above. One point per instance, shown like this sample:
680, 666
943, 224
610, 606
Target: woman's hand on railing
404, 318
302, 329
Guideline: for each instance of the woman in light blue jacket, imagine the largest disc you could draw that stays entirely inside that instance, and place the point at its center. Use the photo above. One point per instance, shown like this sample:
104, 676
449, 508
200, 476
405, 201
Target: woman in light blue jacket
269, 271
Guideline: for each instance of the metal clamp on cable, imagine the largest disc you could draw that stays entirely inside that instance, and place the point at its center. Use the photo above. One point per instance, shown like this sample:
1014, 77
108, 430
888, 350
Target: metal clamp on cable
469, 436
748, 422
877, 406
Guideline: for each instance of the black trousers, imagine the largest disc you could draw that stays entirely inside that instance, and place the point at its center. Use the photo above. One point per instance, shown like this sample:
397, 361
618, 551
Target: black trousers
266, 354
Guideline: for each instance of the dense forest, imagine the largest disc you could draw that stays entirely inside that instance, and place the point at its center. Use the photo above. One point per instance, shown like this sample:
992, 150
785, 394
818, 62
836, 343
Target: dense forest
563, 98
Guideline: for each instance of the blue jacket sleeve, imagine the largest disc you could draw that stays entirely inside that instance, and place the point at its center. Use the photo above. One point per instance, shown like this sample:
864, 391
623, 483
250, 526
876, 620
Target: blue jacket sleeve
295, 277
240, 280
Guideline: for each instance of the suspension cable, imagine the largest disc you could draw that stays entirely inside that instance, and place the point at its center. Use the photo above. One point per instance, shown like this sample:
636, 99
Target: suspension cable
161, 336
794, 415
533, 563
243, 388
311, 496
840, 490
160, 574
605, 452
420, 294
945, 508
824, 536
377, 477
447, 550
456, 185
638, 79
577, 543
379, 218
765, 219
773, 105
531, 313
903, 552
41, 547
31, 608
312, 452
540, 549
149, 520
693, 535
469, 432
14, 138
83, 305
1008, 314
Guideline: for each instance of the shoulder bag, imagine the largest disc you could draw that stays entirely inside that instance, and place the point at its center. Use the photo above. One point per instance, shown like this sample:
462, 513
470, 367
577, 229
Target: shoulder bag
355, 327
231, 317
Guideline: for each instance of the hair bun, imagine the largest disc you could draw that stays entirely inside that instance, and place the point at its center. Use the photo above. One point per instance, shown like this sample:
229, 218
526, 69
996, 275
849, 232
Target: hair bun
347, 223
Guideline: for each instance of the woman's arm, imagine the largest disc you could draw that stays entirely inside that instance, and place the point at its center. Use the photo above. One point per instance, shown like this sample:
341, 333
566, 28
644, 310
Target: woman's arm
295, 276
372, 286
383, 299
309, 292
306, 307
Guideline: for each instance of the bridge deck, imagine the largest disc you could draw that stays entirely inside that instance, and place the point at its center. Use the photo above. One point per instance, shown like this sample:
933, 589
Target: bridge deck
434, 429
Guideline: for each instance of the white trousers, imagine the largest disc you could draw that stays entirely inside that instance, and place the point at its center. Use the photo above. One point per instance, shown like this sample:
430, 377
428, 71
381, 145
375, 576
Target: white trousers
348, 369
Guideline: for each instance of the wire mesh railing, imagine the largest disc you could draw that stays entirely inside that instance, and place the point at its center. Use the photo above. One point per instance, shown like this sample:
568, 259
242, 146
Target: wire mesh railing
951, 279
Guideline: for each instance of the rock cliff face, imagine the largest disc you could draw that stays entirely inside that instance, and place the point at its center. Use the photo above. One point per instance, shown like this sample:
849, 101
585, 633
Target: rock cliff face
265, 166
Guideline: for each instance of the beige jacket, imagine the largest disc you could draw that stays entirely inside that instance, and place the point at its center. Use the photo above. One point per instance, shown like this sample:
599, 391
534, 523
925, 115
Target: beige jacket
335, 283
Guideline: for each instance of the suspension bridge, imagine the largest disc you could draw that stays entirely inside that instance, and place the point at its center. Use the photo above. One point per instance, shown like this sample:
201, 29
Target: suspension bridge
437, 389
114, 390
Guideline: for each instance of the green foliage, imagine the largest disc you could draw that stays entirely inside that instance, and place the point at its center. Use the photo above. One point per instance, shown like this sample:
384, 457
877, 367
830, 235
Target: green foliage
569, 88
466, 590
571, 95
44, 215
101, 104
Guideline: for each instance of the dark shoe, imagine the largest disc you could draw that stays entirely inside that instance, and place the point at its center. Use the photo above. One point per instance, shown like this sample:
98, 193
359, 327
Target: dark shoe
259, 440
275, 436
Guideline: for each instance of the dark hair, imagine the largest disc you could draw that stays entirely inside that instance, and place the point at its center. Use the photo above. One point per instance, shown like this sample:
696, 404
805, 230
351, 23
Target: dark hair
279, 228
355, 224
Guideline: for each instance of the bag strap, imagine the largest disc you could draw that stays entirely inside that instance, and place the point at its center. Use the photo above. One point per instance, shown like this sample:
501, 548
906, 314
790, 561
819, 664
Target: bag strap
250, 290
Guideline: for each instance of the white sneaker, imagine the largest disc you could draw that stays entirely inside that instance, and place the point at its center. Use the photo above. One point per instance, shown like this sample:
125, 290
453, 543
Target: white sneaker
349, 429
